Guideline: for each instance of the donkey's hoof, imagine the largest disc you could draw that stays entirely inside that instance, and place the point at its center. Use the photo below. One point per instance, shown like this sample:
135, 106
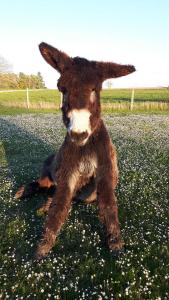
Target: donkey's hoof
39, 256
115, 245
41, 252
19, 194
45, 245
117, 252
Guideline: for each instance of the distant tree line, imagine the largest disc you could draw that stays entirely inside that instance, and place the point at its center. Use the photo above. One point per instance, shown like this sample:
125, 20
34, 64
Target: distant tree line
21, 81
10, 80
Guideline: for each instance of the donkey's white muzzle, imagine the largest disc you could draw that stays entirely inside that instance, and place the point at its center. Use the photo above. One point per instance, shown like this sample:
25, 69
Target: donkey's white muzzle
79, 121
79, 126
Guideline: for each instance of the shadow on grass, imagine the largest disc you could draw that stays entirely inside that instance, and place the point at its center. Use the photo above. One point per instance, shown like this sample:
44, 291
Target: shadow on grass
24, 155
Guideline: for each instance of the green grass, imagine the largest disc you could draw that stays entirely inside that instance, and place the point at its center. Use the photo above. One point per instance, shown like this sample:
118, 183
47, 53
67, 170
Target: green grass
6, 110
107, 110
35, 96
120, 95
80, 266
112, 100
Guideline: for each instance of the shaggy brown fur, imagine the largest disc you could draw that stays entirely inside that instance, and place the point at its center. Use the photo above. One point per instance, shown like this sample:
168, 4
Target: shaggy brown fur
87, 160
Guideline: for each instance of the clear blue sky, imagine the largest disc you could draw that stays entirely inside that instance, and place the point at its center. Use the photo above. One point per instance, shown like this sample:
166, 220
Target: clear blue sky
124, 31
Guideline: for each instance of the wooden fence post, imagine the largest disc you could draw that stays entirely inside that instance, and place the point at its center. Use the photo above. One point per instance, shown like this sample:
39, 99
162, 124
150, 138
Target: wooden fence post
132, 100
27, 98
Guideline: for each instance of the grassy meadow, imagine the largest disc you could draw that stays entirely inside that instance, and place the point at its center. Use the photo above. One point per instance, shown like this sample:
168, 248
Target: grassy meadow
114, 100
80, 266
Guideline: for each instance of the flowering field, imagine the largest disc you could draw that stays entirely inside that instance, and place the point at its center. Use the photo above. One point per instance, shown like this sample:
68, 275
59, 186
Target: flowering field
80, 266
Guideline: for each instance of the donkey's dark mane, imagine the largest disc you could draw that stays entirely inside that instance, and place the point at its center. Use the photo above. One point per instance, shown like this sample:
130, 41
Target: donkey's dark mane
83, 62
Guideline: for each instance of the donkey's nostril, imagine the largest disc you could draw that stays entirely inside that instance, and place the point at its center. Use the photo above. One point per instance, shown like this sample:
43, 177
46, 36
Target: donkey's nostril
78, 136
83, 134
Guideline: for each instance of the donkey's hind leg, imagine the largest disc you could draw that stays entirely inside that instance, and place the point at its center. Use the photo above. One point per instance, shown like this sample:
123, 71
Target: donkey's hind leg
92, 198
39, 185
27, 190
45, 207
43, 183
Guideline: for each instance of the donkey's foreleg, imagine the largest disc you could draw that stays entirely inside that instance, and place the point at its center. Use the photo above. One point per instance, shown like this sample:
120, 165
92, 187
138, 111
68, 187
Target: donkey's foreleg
115, 170
108, 213
57, 214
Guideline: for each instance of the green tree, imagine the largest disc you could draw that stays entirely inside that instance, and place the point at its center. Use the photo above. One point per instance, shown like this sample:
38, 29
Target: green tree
8, 81
31, 81
24, 81
21, 81
41, 83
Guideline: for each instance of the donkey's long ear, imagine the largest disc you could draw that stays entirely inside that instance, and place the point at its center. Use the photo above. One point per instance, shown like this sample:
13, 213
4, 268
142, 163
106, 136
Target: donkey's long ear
113, 70
57, 59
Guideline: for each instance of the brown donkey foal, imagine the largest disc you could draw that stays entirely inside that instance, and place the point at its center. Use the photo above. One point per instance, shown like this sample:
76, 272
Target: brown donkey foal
87, 160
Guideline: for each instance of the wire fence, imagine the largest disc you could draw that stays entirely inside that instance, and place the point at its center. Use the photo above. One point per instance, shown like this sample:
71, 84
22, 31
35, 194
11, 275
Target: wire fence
111, 99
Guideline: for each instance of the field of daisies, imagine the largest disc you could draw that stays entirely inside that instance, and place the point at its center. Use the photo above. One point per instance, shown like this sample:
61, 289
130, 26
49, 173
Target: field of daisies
80, 266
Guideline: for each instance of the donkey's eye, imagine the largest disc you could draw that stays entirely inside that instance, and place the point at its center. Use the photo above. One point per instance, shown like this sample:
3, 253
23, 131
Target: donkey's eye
63, 99
93, 96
